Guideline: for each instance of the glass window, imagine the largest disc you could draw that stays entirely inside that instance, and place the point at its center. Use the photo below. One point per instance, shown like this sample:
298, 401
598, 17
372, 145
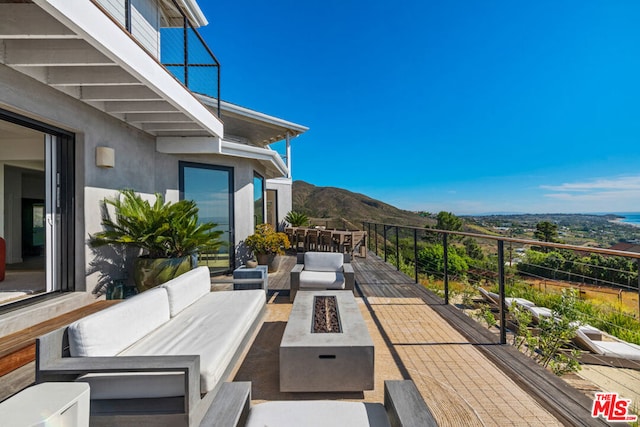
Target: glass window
211, 187
258, 199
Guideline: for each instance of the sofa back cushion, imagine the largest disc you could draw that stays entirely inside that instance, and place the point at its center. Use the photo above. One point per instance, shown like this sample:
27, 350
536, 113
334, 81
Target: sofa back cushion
110, 331
187, 288
323, 261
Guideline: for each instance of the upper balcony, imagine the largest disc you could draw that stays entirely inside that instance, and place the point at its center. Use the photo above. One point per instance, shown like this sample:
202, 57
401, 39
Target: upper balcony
108, 53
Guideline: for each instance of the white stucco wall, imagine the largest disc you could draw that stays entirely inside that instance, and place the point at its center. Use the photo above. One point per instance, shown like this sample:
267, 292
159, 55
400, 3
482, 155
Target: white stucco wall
137, 164
283, 186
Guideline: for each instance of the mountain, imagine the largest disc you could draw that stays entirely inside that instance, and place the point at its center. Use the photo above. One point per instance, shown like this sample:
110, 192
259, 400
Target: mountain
338, 207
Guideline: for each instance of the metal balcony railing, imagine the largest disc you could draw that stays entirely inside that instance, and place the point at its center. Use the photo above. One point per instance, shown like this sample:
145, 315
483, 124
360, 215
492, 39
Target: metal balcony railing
507, 264
179, 46
185, 53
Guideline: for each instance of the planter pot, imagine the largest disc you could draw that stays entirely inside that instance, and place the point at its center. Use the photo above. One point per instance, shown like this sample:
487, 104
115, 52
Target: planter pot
151, 272
270, 260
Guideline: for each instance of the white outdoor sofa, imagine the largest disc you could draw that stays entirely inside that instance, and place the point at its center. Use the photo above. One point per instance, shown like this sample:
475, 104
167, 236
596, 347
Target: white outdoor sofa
159, 357
403, 407
321, 271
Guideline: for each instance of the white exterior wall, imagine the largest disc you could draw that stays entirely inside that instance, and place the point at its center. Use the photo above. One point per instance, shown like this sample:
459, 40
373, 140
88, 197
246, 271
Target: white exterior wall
137, 165
284, 188
145, 21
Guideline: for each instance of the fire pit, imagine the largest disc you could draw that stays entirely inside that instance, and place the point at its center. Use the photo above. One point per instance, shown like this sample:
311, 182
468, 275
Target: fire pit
326, 345
325, 315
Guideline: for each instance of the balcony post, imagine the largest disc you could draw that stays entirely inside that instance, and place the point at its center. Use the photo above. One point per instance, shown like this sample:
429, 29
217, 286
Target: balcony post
127, 15
384, 237
397, 249
185, 33
446, 268
638, 262
503, 314
375, 229
415, 253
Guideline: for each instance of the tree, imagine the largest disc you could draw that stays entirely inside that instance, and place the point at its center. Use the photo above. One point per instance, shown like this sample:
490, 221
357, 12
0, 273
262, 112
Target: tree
448, 221
546, 231
473, 249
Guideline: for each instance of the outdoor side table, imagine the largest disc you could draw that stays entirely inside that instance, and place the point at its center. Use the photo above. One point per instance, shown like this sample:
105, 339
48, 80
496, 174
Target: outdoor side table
48, 404
251, 278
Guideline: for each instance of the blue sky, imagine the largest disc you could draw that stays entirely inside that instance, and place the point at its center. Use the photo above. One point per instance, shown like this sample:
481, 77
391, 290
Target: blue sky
463, 106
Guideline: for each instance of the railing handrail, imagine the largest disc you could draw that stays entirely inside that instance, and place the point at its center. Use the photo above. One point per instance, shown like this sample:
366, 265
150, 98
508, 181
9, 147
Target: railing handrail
589, 249
500, 240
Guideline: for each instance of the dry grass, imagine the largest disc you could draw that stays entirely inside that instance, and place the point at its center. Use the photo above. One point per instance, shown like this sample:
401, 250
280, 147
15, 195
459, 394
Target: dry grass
626, 300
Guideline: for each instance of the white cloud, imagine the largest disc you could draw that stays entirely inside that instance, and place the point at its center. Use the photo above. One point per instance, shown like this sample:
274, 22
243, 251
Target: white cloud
625, 183
614, 194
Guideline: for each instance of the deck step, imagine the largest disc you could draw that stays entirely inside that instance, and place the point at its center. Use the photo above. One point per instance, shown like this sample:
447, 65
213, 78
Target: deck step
19, 349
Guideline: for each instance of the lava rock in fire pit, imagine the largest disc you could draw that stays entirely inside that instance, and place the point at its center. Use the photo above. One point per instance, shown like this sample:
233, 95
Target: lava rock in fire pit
325, 315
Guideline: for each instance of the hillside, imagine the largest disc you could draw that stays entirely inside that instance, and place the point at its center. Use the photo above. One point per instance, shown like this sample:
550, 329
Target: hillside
335, 205
339, 208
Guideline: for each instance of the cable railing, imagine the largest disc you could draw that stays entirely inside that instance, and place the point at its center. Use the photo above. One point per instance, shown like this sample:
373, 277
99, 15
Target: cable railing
456, 265
174, 41
185, 53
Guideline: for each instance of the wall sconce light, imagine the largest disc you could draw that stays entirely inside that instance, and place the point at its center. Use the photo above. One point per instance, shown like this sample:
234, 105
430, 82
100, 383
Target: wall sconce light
105, 157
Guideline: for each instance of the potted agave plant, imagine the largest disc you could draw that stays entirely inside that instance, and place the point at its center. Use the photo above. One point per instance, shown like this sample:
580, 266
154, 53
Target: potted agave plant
168, 235
266, 243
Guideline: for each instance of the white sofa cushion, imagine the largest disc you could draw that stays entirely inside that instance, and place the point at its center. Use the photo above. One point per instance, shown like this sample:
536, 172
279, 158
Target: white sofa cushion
108, 332
321, 280
131, 386
318, 413
213, 328
323, 261
187, 288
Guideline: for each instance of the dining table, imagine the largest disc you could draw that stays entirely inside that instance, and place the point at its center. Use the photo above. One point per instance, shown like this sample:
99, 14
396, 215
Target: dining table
344, 240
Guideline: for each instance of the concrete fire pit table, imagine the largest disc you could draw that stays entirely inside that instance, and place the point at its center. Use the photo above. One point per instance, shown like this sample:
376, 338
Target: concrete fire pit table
339, 360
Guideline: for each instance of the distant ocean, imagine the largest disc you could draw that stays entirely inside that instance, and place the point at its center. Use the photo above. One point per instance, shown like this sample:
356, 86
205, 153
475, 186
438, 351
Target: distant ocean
630, 218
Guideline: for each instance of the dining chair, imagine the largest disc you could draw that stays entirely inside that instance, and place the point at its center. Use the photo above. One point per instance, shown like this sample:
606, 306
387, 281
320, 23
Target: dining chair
301, 239
312, 240
327, 244
346, 245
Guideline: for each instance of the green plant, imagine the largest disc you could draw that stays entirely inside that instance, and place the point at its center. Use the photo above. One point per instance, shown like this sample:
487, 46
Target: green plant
161, 230
297, 219
488, 317
522, 319
267, 241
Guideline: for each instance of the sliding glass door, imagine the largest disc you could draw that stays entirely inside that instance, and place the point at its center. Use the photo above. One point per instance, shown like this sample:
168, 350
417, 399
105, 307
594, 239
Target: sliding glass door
36, 208
211, 187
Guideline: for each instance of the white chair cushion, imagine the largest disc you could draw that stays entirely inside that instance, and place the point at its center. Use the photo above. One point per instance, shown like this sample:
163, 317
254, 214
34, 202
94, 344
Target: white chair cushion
323, 261
321, 280
519, 301
213, 328
108, 332
318, 413
619, 349
540, 312
187, 288
131, 386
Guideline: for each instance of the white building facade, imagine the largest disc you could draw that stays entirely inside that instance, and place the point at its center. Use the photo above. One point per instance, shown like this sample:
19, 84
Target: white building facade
95, 97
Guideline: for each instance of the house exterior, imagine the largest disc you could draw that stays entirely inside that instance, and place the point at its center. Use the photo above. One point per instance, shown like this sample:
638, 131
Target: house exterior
102, 95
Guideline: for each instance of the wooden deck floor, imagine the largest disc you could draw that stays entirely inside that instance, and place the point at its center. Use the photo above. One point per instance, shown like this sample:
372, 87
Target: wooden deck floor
463, 375
438, 342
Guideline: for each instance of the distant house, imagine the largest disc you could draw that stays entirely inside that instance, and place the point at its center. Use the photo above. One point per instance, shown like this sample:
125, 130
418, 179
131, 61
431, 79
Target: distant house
101, 95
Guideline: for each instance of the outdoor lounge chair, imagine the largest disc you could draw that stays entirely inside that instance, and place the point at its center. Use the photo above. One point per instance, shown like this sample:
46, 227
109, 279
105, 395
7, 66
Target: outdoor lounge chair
613, 352
403, 407
322, 271
494, 298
